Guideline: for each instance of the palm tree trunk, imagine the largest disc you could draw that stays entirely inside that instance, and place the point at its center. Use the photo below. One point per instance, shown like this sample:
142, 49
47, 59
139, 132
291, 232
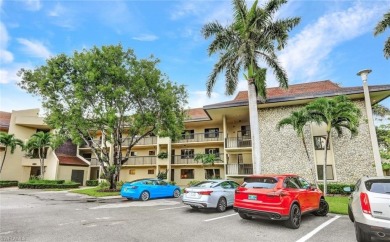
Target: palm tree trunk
41, 161
2, 163
313, 171
255, 130
325, 163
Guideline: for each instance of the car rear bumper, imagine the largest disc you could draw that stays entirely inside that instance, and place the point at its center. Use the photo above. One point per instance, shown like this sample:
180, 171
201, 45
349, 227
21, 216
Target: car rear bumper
261, 214
377, 231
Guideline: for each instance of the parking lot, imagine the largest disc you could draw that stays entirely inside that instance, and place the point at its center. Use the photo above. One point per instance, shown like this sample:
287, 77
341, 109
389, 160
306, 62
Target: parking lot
28, 215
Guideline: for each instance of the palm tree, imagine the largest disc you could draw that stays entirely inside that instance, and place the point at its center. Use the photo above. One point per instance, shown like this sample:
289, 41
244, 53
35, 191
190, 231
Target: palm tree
249, 39
298, 121
9, 140
336, 113
380, 28
37, 145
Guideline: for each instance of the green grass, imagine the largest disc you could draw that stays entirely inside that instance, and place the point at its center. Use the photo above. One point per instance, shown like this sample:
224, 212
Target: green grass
338, 204
94, 192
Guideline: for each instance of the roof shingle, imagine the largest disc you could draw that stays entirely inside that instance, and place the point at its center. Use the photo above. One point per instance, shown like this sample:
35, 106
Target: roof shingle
67, 160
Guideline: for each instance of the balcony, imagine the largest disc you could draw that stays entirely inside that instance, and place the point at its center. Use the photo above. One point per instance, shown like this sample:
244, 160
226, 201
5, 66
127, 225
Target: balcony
200, 137
144, 141
243, 140
93, 161
189, 160
239, 169
140, 161
26, 161
90, 142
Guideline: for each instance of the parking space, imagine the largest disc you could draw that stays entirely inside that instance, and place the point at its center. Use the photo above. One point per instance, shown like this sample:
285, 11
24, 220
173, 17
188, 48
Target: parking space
60, 217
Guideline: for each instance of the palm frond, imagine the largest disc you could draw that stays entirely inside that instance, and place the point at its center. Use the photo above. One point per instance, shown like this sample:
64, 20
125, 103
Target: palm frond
383, 24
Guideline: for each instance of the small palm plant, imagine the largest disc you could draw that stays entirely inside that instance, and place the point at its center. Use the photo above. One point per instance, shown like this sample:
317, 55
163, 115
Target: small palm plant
207, 159
39, 143
9, 141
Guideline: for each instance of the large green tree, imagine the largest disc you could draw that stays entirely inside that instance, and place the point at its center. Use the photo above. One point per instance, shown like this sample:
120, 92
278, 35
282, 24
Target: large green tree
107, 90
37, 147
248, 42
336, 113
298, 120
9, 142
380, 28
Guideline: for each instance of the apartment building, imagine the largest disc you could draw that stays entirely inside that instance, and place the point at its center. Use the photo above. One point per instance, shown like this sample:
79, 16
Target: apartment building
223, 129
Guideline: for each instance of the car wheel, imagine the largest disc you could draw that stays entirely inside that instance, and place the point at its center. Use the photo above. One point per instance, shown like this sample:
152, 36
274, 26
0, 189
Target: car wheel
144, 196
221, 205
323, 209
294, 221
176, 193
350, 214
362, 236
245, 216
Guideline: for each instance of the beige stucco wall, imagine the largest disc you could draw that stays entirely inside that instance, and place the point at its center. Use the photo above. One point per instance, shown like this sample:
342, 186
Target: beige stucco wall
199, 173
65, 173
283, 151
140, 172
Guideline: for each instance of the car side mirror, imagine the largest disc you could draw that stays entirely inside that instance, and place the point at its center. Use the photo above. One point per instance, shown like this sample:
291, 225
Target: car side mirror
347, 189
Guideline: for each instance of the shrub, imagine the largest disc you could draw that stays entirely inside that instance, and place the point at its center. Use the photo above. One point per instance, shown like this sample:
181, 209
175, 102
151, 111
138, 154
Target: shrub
162, 155
8, 183
193, 182
336, 188
92, 183
162, 175
104, 185
37, 180
47, 185
172, 183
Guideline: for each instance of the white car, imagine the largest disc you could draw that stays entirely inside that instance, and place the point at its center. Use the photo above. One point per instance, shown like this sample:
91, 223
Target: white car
369, 208
217, 194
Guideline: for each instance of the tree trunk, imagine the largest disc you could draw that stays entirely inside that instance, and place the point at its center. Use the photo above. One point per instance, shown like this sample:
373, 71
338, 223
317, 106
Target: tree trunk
325, 163
311, 164
2, 163
255, 131
41, 161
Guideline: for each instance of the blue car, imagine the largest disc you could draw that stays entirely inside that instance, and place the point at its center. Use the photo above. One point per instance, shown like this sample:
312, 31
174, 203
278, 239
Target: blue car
144, 189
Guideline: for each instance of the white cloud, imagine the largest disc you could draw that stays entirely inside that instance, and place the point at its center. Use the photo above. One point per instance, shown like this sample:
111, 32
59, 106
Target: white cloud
5, 55
145, 37
57, 11
33, 5
34, 48
8, 74
306, 56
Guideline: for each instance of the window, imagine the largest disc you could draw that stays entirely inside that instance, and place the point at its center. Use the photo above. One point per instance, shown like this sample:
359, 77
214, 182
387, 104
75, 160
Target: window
319, 142
188, 134
187, 153
329, 172
291, 182
212, 174
152, 152
303, 183
187, 173
239, 159
211, 133
133, 153
151, 172
132, 172
246, 132
214, 151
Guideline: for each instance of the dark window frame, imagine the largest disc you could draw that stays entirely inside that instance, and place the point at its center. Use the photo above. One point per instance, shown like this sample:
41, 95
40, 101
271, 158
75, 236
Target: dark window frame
318, 144
189, 174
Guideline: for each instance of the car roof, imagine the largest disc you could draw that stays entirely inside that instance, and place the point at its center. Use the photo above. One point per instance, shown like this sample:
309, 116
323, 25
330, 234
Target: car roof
274, 175
365, 178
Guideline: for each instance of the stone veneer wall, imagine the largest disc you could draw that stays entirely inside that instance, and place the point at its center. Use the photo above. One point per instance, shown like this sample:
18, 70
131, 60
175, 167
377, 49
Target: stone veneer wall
283, 151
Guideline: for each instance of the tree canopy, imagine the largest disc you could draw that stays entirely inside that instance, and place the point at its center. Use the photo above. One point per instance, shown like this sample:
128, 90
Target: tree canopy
107, 91
380, 28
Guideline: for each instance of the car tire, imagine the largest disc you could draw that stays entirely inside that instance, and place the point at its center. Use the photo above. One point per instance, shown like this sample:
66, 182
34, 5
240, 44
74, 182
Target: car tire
362, 236
221, 205
144, 196
245, 216
176, 193
350, 214
323, 208
294, 220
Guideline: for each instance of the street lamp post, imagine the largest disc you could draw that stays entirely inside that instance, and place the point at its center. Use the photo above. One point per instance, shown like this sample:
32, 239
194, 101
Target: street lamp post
374, 141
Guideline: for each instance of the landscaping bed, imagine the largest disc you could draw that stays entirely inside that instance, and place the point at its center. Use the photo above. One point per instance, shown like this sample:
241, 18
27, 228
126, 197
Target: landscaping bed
8, 184
47, 184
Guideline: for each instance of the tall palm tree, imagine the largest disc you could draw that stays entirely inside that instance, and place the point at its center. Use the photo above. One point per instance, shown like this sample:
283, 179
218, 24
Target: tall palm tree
298, 121
251, 38
38, 145
380, 28
336, 113
9, 141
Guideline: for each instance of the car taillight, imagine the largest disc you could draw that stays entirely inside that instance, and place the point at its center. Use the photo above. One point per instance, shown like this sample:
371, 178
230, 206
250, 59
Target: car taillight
205, 193
277, 194
240, 189
365, 203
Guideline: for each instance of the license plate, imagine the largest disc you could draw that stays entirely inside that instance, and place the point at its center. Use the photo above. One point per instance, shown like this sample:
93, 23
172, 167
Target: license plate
252, 197
193, 194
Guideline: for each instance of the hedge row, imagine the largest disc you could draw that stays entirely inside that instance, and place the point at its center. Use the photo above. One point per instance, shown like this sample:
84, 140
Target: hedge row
8, 183
335, 188
38, 181
47, 185
92, 183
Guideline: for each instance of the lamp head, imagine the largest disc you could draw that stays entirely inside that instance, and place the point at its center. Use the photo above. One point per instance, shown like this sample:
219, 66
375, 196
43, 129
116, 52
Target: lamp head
363, 74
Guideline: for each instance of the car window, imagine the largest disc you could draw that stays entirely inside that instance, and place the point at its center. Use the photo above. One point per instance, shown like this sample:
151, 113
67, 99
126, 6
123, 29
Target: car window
147, 182
259, 182
291, 182
234, 184
303, 183
378, 186
161, 183
226, 185
206, 184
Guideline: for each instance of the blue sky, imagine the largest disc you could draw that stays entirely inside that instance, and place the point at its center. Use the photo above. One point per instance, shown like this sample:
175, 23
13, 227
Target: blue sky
333, 41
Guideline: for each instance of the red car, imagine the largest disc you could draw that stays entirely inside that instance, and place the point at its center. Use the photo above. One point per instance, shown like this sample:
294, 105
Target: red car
279, 197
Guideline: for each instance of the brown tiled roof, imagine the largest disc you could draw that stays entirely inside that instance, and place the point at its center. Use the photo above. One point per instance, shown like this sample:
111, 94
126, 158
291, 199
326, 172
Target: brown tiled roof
5, 118
294, 90
66, 160
197, 114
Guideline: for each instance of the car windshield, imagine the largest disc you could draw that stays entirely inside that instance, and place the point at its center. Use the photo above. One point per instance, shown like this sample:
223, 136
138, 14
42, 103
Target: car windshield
259, 182
206, 184
378, 186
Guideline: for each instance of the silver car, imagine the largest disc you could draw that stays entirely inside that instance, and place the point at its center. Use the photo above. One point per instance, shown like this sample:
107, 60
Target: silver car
217, 194
369, 208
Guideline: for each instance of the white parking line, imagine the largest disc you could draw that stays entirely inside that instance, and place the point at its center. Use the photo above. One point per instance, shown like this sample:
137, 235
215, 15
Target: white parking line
208, 220
316, 230
172, 208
